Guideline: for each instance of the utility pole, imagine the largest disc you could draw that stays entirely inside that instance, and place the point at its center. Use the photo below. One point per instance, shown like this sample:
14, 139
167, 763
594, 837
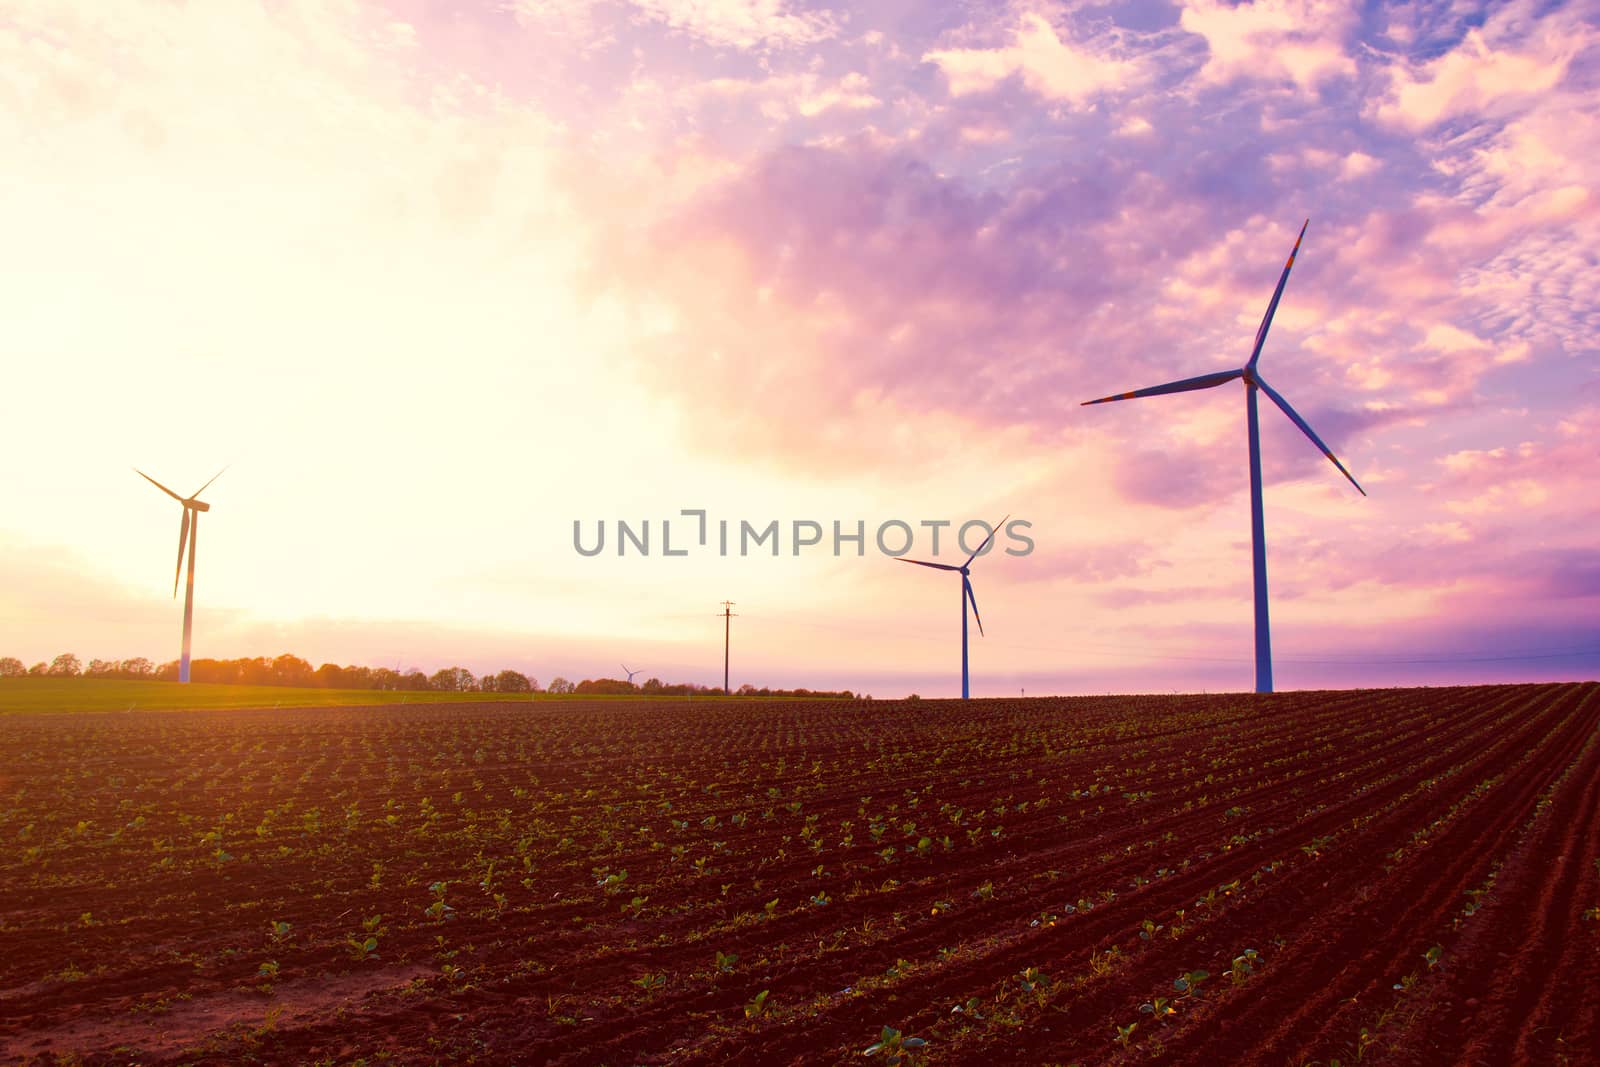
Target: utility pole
727, 624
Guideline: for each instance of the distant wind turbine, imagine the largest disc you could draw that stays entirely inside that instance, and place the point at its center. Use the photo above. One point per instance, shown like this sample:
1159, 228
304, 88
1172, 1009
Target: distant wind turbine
1253, 381
188, 534
631, 673
966, 598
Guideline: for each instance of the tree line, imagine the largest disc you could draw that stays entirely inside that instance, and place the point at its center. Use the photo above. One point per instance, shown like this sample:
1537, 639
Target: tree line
290, 670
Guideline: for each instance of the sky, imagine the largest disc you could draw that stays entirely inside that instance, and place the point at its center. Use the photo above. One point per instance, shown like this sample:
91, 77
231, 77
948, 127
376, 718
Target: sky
437, 281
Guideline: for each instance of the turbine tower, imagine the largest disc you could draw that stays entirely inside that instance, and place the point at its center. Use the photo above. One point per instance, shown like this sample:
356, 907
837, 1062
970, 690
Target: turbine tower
188, 534
629, 673
965, 571
1258, 534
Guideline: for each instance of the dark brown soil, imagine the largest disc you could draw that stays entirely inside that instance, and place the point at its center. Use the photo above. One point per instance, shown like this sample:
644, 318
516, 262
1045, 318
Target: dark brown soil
1416, 870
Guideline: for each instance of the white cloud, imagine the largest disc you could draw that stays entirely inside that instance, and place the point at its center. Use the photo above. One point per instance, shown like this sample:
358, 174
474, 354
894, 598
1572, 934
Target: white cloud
1280, 40
1051, 67
1475, 77
741, 23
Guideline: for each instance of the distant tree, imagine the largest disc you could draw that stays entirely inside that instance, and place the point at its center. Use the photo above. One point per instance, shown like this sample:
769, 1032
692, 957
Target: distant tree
101, 668
384, 678
11, 667
291, 670
137, 667
509, 681
40, 668
748, 690
257, 671
453, 680
559, 684
330, 676
651, 685
415, 681
167, 672
604, 687
65, 665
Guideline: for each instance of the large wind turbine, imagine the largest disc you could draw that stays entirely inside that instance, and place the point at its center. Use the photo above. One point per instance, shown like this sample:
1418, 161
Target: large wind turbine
631, 673
188, 534
1253, 381
966, 598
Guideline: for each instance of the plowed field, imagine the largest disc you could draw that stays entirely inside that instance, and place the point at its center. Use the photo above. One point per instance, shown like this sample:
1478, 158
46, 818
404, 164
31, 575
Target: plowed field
1401, 876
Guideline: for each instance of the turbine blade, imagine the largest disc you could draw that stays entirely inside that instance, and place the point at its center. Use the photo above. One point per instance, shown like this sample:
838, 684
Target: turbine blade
1266, 321
992, 531
203, 488
1306, 429
935, 566
183, 542
1204, 381
973, 600
158, 485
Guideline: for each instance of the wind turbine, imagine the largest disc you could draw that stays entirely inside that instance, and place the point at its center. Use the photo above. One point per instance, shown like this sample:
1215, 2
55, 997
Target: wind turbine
966, 598
631, 673
188, 534
1258, 535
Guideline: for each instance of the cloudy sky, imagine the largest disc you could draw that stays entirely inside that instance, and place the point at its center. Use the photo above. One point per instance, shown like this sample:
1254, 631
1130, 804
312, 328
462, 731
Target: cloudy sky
439, 279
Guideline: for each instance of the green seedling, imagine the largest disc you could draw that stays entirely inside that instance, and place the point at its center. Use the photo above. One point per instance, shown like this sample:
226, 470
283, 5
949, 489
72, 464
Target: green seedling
1434, 956
1032, 979
1158, 1009
268, 970
771, 909
1149, 929
363, 949
895, 1047
972, 1009
725, 961
1189, 984
1125, 1033
758, 1006
1244, 965
1364, 1040
822, 898
279, 931
650, 982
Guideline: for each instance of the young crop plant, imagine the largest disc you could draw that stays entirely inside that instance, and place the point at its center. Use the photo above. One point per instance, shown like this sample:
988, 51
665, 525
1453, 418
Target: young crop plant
1244, 965
439, 911
279, 931
757, 1006
1434, 956
362, 948
650, 982
1159, 1009
895, 1048
1188, 984
725, 962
